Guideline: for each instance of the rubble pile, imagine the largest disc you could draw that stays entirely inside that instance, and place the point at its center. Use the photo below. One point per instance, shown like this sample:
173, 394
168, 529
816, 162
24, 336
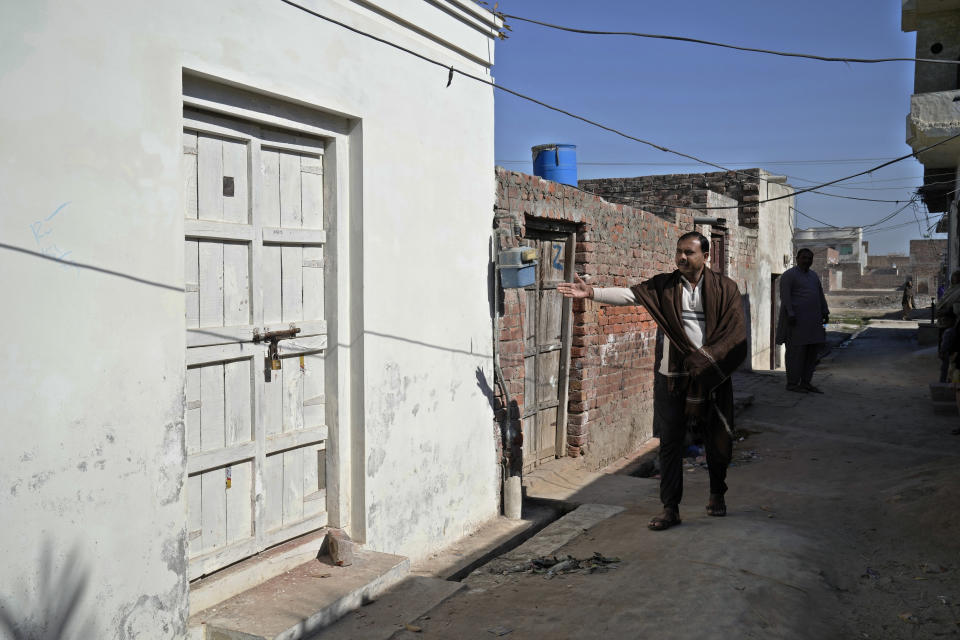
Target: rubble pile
551, 566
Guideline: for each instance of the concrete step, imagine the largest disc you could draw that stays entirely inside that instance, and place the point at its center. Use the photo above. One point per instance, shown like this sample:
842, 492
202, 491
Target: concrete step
299, 602
391, 612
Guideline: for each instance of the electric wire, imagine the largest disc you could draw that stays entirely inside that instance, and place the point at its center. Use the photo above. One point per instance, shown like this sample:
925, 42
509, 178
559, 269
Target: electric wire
888, 217
788, 54
688, 164
819, 193
806, 215
599, 125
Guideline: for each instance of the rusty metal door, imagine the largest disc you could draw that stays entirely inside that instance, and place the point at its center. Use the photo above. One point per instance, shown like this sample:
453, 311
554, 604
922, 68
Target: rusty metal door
546, 348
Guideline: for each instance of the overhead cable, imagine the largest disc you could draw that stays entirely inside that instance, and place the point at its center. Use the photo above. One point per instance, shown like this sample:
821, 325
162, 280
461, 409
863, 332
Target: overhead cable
819, 193
889, 216
806, 215
490, 83
859, 173
788, 54
688, 164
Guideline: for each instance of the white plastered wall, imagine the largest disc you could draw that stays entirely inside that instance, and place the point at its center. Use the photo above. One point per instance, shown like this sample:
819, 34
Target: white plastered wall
94, 457
774, 242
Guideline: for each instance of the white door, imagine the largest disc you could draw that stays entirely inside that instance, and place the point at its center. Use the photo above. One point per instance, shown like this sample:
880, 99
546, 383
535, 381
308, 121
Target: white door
255, 239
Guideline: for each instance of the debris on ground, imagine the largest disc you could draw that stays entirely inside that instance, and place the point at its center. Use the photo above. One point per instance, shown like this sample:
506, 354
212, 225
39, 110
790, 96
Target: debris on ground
870, 573
552, 566
499, 631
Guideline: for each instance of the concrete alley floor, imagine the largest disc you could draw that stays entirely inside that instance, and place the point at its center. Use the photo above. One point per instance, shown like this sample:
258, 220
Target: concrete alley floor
844, 522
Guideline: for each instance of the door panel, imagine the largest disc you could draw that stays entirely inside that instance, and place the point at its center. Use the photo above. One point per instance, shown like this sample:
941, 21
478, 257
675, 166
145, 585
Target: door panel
545, 348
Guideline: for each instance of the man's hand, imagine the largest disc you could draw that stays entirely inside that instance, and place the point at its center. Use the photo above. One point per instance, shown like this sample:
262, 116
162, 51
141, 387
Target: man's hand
578, 289
825, 319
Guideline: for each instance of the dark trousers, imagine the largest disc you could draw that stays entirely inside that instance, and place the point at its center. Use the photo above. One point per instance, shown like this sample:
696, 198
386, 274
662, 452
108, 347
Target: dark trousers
670, 424
801, 361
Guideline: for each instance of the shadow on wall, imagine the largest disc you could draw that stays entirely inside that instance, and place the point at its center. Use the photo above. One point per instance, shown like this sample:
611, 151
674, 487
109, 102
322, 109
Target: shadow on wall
55, 613
508, 421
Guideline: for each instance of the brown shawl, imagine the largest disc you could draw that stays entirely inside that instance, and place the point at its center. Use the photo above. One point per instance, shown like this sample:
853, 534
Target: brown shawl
705, 371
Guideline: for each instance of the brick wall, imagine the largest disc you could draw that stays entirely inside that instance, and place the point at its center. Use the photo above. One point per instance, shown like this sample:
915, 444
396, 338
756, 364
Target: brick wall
825, 262
887, 261
927, 259
610, 403
875, 281
652, 192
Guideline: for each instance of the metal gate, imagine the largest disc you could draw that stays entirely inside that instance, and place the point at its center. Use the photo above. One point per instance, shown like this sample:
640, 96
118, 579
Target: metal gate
546, 347
254, 262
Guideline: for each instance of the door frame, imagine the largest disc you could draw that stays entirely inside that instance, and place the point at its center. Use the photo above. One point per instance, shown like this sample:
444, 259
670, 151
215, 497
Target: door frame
342, 193
567, 232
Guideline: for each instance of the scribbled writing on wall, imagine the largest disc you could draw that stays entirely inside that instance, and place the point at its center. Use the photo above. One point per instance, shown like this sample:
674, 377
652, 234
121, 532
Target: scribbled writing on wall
43, 235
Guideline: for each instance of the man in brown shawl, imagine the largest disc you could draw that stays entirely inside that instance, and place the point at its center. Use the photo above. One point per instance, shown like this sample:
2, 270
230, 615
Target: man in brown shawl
702, 340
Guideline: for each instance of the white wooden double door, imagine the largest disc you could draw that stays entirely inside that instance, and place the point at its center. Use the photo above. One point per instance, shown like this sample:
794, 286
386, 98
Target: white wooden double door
254, 233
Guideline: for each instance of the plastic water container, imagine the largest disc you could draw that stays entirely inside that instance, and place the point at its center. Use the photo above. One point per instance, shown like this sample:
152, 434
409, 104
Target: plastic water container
557, 162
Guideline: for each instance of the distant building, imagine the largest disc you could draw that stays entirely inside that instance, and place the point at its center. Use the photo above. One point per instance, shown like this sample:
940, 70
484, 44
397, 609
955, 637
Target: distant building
933, 109
847, 264
847, 241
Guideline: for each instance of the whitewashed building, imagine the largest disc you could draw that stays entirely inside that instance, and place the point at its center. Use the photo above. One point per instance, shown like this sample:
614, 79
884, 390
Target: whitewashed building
181, 179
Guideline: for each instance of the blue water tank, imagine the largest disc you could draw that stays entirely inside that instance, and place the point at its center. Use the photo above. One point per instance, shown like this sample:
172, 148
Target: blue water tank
557, 162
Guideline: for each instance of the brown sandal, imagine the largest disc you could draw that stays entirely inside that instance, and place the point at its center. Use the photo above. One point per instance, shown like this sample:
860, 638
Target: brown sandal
716, 506
669, 518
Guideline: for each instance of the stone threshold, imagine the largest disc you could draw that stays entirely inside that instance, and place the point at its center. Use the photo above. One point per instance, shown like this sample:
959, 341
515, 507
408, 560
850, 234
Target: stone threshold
300, 601
246, 574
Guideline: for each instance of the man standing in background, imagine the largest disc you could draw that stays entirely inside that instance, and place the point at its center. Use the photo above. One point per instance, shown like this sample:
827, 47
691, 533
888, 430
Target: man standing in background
907, 301
803, 312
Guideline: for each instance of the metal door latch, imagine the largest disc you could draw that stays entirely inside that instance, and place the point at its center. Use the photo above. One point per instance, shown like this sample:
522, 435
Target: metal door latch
272, 360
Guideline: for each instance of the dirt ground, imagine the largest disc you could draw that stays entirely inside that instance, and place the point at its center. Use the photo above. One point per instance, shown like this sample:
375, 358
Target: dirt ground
844, 522
858, 306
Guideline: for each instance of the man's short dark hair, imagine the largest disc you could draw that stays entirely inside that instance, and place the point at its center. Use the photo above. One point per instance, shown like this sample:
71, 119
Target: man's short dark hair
704, 242
805, 250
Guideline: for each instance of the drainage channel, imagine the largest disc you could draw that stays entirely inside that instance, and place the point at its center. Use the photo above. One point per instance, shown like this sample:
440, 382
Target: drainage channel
541, 511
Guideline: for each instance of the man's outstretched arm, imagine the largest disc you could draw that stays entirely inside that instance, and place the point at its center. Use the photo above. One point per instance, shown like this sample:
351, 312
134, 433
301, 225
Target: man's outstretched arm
576, 289
617, 296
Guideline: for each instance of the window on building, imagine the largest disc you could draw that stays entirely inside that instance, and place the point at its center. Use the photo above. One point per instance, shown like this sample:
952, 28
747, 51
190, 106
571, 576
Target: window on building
846, 249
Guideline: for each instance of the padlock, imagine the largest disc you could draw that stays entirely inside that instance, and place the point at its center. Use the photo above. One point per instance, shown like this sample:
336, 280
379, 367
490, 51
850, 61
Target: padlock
273, 355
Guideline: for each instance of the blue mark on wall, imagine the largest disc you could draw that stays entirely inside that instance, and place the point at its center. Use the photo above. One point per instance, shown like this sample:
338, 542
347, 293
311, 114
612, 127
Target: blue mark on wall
41, 229
557, 249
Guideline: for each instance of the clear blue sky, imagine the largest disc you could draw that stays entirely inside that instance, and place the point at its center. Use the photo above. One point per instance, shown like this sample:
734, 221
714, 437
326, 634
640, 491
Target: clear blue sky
735, 108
